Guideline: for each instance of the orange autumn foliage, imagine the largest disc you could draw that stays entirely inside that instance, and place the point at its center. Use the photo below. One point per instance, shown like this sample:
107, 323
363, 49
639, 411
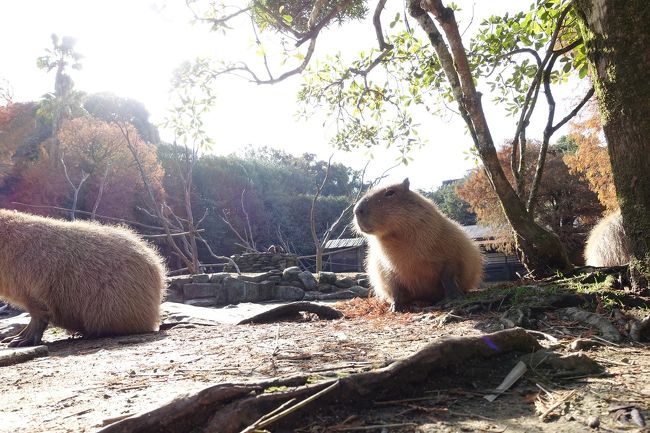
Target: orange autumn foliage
563, 201
591, 160
16, 124
97, 148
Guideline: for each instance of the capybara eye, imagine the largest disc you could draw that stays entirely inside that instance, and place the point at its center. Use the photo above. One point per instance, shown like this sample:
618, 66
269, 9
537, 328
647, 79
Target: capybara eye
389, 192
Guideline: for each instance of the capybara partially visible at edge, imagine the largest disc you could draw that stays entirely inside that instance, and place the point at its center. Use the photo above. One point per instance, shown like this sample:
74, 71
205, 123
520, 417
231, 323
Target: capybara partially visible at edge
85, 277
607, 244
414, 252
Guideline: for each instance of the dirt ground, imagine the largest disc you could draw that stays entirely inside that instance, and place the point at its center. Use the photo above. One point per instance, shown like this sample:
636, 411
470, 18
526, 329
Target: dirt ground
85, 384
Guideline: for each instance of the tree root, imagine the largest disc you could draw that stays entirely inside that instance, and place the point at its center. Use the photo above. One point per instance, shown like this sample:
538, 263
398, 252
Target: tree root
232, 408
607, 330
640, 331
577, 364
291, 310
19, 355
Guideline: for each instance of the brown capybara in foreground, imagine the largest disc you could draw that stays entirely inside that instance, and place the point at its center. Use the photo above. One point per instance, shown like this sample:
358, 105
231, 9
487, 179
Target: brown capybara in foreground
607, 244
85, 277
414, 252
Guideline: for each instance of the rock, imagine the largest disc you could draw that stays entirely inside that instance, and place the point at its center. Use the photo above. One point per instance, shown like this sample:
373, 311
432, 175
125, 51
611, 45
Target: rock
181, 280
312, 296
258, 292
275, 278
362, 292
344, 283
200, 290
517, 316
201, 278
326, 288
291, 274
203, 302
341, 294
174, 293
235, 290
218, 277
308, 280
255, 278
593, 422
364, 282
288, 293
326, 277
361, 276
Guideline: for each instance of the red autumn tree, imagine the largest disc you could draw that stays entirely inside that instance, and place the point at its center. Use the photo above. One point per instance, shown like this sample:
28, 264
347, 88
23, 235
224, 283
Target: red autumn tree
591, 160
98, 162
564, 200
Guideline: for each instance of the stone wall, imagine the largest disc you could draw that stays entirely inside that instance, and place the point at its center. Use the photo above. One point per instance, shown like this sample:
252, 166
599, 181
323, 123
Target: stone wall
262, 262
291, 284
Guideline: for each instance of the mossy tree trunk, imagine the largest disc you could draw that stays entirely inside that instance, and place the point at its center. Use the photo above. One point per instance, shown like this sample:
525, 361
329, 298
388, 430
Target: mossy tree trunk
617, 37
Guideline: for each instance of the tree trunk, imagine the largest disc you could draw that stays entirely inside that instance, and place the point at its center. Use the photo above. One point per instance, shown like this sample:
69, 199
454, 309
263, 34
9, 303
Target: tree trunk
539, 249
617, 37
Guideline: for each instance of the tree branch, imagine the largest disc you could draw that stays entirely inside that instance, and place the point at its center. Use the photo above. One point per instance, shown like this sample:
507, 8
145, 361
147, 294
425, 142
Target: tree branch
315, 30
376, 21
221, 21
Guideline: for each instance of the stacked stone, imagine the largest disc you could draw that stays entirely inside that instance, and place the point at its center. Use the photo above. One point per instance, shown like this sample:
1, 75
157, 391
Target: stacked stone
262, 262
292, 284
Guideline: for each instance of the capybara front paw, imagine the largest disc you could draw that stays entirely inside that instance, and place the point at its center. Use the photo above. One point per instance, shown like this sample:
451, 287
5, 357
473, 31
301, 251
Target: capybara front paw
23, 341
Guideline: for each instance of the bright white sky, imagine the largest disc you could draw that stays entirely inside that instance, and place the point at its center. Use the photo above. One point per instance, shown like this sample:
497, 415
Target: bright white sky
132, 47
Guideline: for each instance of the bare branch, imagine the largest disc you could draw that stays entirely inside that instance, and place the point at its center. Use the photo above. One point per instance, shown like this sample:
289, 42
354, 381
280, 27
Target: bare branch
575, 111
228, 259
63, 209
75, 189
173, 234
187, 261
259, 45
548, 132
221, 21
100, 193
244, 242
248, 221
312, 215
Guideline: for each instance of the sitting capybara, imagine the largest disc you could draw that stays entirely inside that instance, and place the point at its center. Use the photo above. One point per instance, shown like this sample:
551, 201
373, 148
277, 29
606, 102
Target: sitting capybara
85, 277
414, 252
607, 244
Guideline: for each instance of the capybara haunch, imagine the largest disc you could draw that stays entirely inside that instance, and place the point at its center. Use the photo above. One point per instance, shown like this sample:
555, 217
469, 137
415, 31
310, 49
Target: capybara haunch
85, 277
607, 244
414, 252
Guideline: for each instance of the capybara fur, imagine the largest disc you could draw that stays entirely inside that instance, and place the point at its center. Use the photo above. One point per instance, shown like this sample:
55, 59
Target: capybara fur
87, 278
414, 252
607, 244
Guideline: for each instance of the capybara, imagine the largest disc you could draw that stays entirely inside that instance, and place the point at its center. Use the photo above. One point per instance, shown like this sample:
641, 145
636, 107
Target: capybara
607, 244
414, 252
85, 277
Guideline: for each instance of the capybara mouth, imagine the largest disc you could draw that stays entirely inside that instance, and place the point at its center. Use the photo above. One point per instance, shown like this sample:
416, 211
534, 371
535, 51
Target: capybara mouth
363, 226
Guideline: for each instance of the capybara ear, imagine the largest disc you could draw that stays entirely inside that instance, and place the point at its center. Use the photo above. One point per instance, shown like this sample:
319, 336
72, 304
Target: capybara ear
406, 184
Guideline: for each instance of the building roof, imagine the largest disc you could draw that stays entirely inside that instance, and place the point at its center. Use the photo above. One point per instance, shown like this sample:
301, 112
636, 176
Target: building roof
476, 232
344, 243
479, 232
